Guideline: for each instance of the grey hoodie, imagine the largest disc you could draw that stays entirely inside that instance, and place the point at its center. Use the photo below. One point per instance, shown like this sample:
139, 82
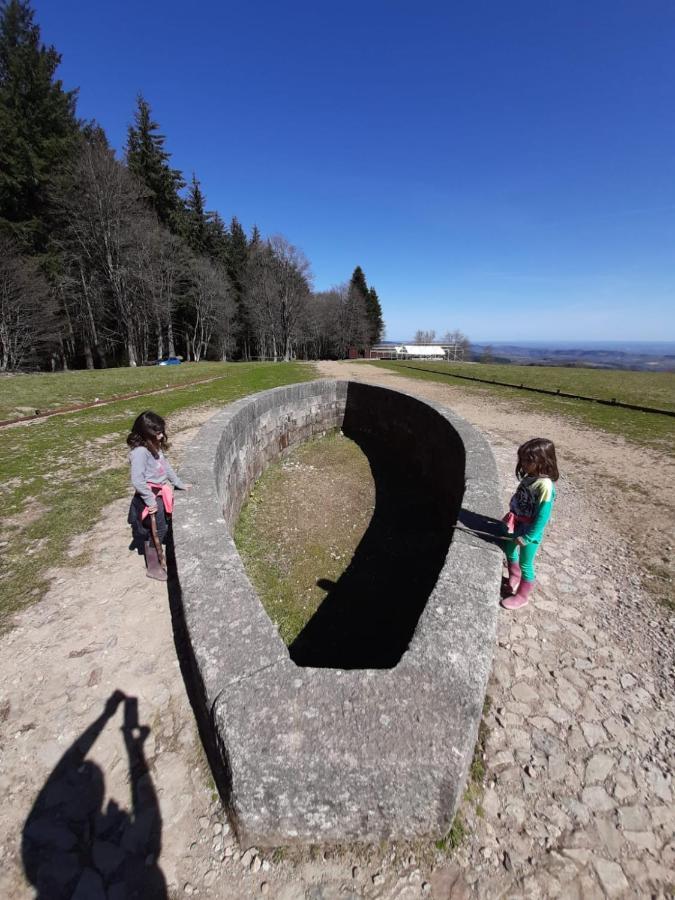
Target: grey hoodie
145, 467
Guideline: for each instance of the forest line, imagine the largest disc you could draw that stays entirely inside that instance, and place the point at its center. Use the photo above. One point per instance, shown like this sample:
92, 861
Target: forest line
107, 261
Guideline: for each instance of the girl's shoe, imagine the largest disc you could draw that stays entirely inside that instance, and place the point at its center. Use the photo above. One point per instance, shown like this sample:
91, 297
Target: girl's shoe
515, 576
521, 598
154, 567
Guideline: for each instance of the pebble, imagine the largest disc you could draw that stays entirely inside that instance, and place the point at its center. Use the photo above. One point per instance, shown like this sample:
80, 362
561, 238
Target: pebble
264, 888
378, 879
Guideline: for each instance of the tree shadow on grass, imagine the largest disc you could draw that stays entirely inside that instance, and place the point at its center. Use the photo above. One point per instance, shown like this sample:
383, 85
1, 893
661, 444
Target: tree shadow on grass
74, 848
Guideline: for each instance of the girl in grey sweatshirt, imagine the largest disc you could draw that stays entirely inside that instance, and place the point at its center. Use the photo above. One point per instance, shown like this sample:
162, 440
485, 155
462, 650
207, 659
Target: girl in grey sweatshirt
153, 477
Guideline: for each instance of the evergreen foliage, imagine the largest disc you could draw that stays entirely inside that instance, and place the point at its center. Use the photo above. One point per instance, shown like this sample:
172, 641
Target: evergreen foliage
149, 162
375, 319
38, 130
358, 282
197, 222
370, 302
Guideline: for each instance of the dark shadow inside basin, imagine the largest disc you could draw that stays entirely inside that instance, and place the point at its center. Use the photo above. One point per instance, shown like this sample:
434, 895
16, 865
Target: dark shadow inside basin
417, 459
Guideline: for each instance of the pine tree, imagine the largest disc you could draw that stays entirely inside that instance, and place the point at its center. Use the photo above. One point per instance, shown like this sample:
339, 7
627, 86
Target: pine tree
236, 264
38, 129
358, 282
371, 303
374, 313
218, 238
196, 219
149, 162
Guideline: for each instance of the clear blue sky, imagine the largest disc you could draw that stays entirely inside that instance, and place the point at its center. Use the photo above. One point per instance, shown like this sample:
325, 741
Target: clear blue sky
503, 168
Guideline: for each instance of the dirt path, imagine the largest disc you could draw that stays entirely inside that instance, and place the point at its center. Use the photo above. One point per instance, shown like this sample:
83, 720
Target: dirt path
580, 745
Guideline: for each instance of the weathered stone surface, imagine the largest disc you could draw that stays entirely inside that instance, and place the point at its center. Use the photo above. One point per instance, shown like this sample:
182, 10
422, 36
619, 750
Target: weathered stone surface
611, 877
328, 754
598, 768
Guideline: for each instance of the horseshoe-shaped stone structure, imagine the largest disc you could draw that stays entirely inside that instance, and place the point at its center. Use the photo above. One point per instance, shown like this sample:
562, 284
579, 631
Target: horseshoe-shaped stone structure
364, 729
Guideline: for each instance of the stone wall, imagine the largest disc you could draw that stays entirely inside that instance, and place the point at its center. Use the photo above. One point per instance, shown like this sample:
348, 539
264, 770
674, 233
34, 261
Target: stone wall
320, 752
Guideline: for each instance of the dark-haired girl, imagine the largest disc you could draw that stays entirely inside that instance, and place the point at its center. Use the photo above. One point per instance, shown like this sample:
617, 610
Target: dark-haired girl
529, 512
152, 477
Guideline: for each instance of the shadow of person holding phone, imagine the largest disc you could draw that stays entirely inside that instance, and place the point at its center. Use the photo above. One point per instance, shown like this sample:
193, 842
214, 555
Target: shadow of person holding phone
75, 848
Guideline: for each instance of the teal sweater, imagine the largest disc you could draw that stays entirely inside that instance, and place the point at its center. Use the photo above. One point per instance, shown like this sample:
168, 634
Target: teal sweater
534, 498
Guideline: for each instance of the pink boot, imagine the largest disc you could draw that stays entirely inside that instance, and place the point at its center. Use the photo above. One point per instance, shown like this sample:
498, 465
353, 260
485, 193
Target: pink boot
521, 598
514, 576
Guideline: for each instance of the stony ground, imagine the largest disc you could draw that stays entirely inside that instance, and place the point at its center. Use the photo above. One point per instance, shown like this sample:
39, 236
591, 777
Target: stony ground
579, 753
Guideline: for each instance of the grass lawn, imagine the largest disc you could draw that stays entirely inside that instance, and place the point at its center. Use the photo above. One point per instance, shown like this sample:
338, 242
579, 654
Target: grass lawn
57, 473
641, 388
302, 524
22, 395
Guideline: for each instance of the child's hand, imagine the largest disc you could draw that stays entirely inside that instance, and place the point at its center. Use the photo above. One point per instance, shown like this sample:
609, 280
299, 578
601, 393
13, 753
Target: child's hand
520, 542
152, 510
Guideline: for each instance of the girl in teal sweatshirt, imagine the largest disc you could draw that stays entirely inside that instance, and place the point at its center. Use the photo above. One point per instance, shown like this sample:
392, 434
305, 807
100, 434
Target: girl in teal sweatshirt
529, 512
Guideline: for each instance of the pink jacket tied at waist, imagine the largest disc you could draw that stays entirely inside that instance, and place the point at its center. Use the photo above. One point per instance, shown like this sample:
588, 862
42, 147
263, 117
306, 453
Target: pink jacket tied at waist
512, 521
164, 491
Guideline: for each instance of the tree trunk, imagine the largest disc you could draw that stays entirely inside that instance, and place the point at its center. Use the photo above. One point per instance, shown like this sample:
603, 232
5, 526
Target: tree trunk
88, 355
169, 337
160, 341
131, 352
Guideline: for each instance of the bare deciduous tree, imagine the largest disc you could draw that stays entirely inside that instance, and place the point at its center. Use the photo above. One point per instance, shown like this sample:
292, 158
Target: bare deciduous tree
26, 308
425, 337
460, 342
100, 210
211, 307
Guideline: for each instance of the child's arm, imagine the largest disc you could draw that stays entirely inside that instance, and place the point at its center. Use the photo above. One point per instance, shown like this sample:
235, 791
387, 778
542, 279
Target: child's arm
137, 458
534, 532
173, 478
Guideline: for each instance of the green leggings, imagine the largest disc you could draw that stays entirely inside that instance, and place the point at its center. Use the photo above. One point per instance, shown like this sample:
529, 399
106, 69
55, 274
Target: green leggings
524, 555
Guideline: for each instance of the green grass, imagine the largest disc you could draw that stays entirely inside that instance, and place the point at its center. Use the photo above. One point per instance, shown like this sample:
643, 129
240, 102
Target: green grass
454, 837
23, 394
295, 529
57, 474
641, 388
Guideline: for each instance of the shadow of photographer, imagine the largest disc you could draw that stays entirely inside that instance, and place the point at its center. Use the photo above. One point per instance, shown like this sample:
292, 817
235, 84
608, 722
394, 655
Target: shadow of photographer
72, 846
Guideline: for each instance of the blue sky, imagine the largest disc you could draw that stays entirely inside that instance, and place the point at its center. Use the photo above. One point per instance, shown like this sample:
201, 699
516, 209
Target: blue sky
503, 168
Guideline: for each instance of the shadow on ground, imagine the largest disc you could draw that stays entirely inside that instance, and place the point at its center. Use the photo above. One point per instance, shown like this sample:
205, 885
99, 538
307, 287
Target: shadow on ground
75, 848
369, 615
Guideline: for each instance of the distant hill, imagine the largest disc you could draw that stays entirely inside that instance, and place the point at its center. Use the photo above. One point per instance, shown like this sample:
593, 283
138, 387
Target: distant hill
638, 356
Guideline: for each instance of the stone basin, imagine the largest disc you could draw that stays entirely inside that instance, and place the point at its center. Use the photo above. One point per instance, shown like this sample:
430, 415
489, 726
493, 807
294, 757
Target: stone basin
364, 730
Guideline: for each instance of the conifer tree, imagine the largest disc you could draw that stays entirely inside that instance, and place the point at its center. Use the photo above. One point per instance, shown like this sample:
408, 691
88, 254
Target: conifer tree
38, 129
196, 219
371, 303
236, 264
218, 238
149, 162
358, 282
374, 313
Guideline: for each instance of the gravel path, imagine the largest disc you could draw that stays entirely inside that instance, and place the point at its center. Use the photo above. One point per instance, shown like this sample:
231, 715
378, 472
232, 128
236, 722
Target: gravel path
579, 751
